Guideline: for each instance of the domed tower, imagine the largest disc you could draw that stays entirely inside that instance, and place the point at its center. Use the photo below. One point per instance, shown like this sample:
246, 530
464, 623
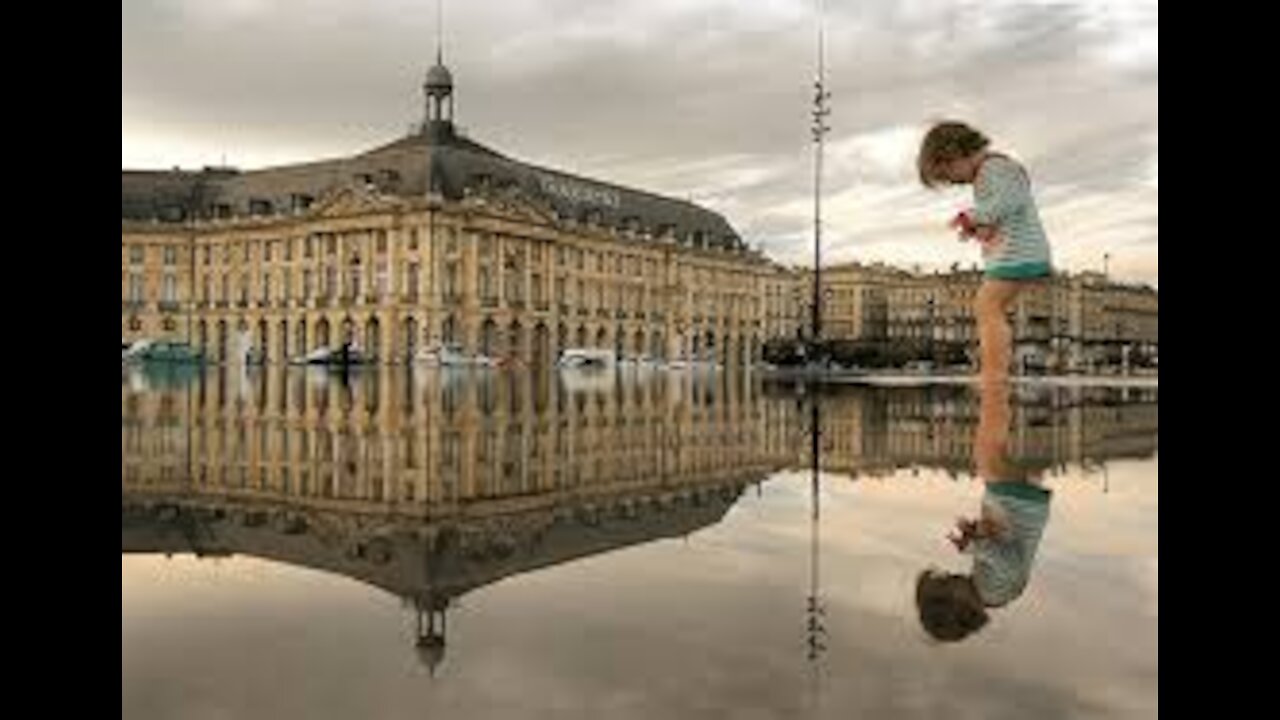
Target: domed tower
439, 92
439, 96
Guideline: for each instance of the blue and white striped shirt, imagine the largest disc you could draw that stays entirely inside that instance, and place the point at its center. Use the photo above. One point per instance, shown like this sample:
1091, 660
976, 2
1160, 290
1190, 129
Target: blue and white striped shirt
1002, 198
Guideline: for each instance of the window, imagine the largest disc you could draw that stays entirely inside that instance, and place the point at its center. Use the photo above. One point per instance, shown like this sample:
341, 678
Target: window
135, 288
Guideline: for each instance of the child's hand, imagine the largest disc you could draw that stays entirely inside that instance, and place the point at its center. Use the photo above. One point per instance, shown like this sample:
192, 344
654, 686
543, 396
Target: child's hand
966, 530
964, 226
989, 238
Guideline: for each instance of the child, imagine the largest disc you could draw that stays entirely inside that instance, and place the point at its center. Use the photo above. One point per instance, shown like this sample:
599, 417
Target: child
1003, 540
1004, 221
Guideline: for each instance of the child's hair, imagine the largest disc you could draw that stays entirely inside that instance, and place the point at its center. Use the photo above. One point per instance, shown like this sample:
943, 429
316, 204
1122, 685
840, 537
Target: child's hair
949, 609
946, 141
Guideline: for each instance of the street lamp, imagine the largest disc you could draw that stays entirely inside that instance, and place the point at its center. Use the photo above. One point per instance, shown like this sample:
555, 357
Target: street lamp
929, 304
818, 131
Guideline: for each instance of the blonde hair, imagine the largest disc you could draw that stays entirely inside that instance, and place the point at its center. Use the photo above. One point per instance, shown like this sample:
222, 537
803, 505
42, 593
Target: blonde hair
946, 141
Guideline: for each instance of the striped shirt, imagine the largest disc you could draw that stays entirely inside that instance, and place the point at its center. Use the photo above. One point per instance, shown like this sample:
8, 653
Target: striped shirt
1002, 563
1002, 198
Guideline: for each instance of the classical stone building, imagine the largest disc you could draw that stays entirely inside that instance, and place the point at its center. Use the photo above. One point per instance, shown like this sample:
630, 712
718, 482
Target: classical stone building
436, 238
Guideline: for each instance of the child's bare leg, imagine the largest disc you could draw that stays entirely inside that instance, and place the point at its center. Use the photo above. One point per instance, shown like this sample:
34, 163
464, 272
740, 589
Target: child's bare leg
995, 337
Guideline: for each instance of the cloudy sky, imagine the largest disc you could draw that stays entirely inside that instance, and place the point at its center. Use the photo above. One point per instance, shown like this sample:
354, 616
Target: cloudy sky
702, 99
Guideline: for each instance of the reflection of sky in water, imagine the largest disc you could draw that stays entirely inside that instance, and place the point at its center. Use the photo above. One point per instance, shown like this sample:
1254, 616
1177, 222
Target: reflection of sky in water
708, 624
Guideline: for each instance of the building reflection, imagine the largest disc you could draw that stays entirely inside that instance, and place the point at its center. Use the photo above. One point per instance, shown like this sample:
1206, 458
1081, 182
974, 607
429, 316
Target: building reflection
430, 485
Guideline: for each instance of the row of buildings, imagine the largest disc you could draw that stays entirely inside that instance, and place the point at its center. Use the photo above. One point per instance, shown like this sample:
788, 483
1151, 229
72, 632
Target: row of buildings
1071, 322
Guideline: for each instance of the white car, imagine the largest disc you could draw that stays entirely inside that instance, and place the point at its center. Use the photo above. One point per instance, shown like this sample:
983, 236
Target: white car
450, 355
